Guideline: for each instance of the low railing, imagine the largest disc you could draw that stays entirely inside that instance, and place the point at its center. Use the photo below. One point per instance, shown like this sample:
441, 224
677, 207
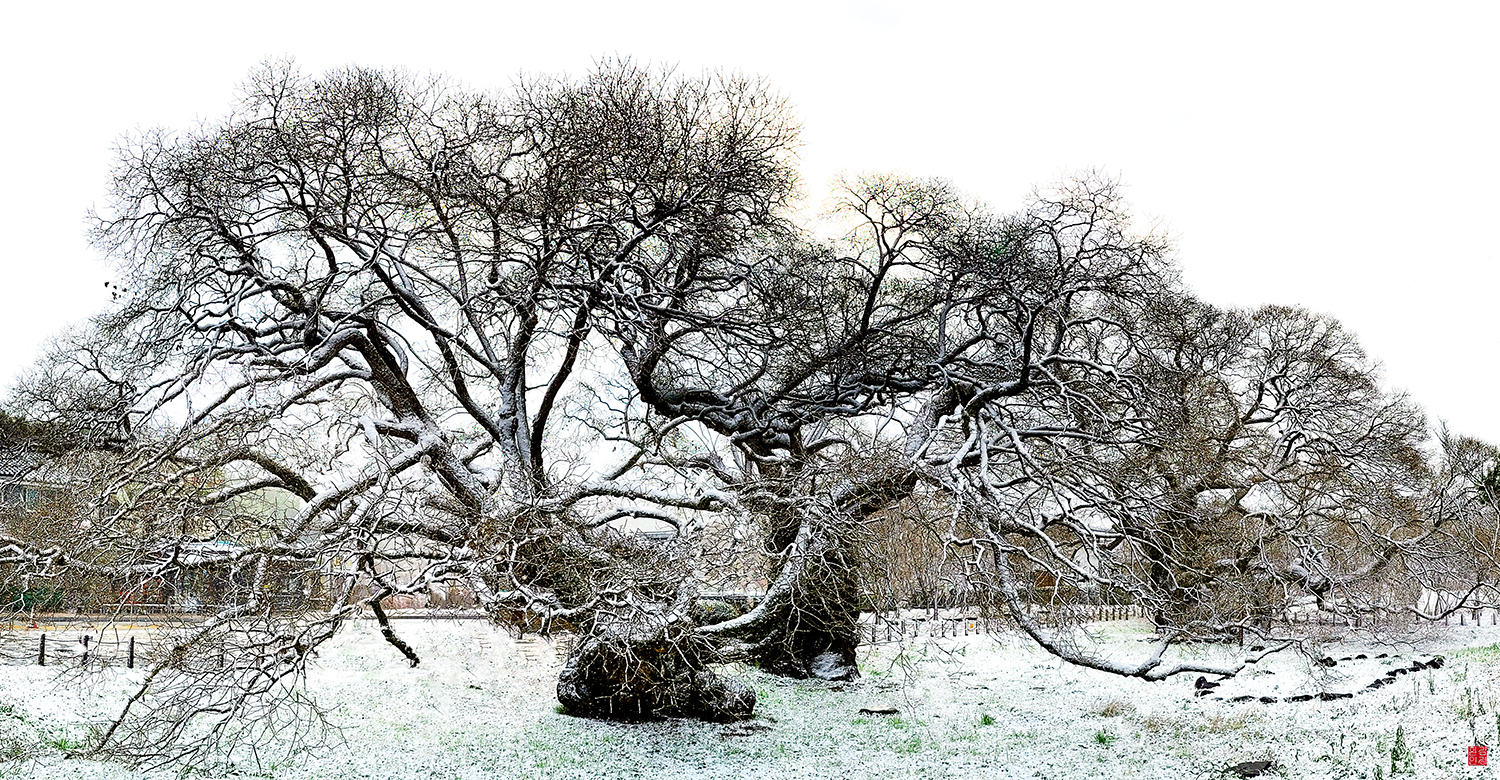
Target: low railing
884, 627
69, 648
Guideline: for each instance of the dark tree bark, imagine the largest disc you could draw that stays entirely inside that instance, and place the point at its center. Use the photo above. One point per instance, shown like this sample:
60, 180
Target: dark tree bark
815, 629
651, 667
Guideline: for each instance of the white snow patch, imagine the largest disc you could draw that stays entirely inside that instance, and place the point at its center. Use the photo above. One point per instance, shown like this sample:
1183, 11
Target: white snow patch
481, 705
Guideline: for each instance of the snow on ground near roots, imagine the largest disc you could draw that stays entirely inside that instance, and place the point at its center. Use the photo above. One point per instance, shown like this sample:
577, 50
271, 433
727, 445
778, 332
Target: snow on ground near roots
481, 705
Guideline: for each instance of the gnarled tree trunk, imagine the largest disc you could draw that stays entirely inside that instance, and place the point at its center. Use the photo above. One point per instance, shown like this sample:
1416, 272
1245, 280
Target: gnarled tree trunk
813, 630
649, 664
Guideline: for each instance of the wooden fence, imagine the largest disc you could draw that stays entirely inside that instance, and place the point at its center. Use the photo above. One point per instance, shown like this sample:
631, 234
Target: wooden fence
893, 628
68, 648
61, 647
1386, 618
1473, 617
883, 627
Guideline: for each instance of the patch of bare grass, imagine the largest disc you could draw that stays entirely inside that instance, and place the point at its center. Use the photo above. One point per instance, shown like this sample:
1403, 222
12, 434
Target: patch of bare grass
1156, 724
1222, 723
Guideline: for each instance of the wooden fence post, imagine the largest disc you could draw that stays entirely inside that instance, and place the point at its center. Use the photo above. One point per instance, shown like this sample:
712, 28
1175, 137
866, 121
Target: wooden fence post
130, 657
41, 655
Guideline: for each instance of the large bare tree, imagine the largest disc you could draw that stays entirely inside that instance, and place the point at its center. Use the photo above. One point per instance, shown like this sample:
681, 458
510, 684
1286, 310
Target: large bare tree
476, 338
374, 293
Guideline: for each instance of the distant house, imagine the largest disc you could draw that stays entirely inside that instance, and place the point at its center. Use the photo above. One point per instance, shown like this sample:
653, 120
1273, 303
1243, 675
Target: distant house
20, 482
42, 501
739, 579
39, 495
30, 489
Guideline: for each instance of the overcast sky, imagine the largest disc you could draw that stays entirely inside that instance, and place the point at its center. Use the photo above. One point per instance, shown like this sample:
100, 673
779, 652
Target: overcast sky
1338, 156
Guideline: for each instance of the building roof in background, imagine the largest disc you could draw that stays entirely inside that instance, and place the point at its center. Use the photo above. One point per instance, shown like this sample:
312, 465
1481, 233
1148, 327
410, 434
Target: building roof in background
17, 462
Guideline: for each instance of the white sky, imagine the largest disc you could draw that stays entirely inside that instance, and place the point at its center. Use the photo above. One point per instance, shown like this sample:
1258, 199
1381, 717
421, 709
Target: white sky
1341, 156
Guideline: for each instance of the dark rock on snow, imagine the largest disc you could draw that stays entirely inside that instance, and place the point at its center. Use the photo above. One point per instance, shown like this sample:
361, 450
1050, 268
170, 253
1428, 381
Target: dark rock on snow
744, 730
1252, 768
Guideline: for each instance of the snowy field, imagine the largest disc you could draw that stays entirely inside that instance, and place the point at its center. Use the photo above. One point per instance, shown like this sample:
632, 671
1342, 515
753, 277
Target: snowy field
481, 706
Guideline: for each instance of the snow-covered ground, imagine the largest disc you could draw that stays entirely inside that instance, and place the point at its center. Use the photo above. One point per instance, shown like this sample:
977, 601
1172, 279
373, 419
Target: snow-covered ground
481, 706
